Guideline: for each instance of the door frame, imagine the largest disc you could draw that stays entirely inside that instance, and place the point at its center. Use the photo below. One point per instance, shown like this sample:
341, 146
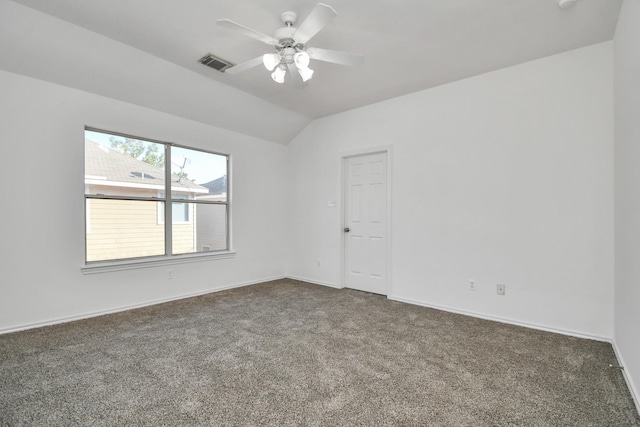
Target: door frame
388, 150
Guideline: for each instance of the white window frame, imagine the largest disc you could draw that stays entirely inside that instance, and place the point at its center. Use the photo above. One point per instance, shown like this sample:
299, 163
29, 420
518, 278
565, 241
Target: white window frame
91, 267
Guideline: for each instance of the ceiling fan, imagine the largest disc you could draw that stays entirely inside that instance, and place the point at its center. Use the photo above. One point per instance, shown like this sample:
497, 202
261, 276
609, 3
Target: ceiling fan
290, 43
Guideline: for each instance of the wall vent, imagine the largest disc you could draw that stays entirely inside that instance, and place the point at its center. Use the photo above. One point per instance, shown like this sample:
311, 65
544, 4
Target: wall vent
214, 62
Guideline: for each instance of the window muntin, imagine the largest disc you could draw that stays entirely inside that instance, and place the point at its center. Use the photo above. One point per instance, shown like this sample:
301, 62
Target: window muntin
126, 183
181, 212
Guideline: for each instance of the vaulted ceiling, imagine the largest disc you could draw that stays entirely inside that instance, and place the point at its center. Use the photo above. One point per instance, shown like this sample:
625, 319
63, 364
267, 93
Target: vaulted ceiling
147, 51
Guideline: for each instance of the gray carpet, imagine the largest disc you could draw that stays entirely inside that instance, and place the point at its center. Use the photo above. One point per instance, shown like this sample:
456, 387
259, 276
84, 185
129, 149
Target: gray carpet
289, 353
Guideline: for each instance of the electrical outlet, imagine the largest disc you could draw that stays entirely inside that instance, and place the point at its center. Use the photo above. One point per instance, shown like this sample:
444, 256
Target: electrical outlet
169, 274
500, 289
318, 262
472, 285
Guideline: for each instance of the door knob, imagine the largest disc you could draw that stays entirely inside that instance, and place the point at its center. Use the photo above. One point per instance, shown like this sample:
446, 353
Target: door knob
346, 230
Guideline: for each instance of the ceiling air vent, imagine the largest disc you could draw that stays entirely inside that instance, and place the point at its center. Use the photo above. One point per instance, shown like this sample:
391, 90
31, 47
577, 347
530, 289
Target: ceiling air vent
214, 62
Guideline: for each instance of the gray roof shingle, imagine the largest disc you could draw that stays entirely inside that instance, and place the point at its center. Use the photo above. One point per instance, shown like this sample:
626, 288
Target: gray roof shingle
104, 163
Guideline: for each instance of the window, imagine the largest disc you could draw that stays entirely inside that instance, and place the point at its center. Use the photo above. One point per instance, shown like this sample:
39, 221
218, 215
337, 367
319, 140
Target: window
133, 185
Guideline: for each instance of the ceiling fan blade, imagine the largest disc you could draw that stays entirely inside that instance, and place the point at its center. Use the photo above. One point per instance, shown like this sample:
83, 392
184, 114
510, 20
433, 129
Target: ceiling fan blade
320, 16
244, 66
296, 77
239, 28
337, 57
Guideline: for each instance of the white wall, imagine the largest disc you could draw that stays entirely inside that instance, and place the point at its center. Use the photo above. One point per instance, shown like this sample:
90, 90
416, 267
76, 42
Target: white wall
505, 178
42, 244
627, 190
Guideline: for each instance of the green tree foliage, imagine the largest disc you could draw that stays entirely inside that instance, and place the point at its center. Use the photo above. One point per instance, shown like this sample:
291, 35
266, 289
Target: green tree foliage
182, 175
147, 152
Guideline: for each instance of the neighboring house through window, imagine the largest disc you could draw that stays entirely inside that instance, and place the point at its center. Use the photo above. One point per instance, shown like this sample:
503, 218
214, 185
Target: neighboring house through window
129, 192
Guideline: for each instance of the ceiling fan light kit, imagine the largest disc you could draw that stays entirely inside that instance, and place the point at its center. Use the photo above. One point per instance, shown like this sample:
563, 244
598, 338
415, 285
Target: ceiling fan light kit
292, 54
278, 63
270, 61
305, 73
278, 74
301, 59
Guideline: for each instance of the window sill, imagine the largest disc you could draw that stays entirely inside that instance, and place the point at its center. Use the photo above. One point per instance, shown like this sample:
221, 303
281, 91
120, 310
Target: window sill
108, 266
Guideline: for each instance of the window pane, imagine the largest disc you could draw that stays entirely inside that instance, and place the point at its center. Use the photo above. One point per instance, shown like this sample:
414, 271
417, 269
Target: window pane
119, 166
179, 211
198, 175
119, 229
206, 232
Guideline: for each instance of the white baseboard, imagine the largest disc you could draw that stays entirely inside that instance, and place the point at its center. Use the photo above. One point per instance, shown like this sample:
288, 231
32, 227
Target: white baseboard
474, 314
503, 320
130, 307
302, 279
635, 394
314, 282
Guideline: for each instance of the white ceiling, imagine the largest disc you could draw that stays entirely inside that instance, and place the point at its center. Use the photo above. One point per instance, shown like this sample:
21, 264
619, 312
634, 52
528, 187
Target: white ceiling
408, 45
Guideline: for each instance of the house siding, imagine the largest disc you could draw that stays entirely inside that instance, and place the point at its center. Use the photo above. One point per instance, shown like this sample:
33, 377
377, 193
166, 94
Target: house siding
120, 229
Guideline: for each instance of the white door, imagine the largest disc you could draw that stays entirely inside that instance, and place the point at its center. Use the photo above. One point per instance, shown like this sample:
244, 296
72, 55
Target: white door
365, 224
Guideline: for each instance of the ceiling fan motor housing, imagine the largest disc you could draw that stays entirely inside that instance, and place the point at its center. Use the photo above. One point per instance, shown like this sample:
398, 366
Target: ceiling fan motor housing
287, 54
287, 45
284, 33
